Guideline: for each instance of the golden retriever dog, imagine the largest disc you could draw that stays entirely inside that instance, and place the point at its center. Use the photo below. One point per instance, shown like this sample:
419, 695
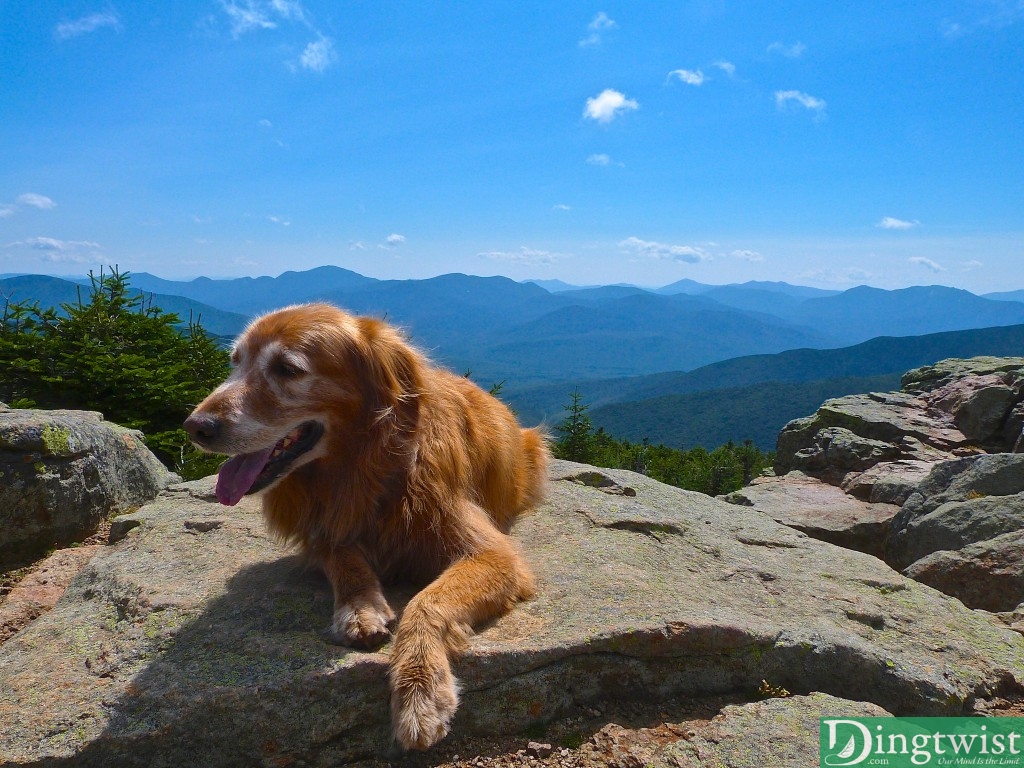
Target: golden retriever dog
382, 468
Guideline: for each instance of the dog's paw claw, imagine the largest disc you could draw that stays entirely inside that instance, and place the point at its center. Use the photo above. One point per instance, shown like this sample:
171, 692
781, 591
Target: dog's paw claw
422, 716
366, 628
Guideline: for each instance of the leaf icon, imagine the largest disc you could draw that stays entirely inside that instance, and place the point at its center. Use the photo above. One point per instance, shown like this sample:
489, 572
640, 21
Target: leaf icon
848, 749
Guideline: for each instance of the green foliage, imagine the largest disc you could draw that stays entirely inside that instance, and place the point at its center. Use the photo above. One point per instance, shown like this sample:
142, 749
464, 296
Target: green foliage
576, 443
723, 470
116, 354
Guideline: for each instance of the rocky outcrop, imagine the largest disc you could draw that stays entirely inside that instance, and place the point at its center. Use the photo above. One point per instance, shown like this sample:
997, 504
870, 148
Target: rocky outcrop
63, 472
196, 640
948, 450
819, 510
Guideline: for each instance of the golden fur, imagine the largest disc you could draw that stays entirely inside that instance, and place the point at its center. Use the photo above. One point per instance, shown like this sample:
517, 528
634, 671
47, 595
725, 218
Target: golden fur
417, 477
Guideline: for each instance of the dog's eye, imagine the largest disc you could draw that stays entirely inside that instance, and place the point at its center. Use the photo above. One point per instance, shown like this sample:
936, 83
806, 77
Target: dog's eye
286, 370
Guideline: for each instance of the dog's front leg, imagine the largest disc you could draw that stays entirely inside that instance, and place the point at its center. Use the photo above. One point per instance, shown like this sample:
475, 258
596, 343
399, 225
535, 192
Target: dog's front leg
362, 616
480, 586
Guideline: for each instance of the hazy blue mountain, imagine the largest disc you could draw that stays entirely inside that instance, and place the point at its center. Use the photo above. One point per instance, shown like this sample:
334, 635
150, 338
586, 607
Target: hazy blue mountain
602, 292
711, 418
880, 356
557, 286
642, 332
254, 295
787, 289
686, 285
1005, 296
754, 299
54, 291
863, 312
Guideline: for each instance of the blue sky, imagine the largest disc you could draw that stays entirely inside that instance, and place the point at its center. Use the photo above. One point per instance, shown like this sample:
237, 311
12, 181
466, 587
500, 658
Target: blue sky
828, 144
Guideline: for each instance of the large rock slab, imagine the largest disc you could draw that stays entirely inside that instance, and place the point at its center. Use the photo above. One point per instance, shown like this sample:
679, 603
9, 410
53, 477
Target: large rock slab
781, 733
62, 473
819, 510
195, 639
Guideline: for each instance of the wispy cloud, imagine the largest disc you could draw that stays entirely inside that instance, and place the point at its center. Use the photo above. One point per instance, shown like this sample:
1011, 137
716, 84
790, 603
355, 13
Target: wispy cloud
841, 276
994, 14
726, 66
561, 207
525, 255
926, 263
280, 220
59, 251
888, 222
42, 202
83, 26
688, 76
245, 16
747, 255
6, 210
794, 51
607, 105
655, 250
967, 266
249, 16
318, 55
812, 103
599, 158
596, 29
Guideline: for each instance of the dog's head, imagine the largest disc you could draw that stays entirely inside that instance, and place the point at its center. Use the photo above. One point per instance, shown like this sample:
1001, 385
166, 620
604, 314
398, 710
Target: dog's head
306, 381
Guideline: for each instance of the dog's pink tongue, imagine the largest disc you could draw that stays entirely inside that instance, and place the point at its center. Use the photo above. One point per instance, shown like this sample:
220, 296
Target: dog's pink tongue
237, 475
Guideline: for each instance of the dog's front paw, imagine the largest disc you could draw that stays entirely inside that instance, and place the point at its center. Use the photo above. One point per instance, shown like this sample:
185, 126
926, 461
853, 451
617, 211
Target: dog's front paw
367, 627
422, 708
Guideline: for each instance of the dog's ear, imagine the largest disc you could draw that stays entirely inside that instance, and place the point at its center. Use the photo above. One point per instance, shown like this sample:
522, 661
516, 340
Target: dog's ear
392, 374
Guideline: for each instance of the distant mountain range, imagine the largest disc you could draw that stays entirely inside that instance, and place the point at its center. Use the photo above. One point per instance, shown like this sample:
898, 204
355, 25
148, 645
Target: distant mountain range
684, 364
524, 334
755, 396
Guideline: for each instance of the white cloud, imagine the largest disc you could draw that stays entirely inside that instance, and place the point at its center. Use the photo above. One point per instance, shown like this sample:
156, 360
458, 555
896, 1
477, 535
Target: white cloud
967, 266
794, 51
690, 77
525, 255
6, 210
280, 220
392, 241
816, 105
600, 23
747, 255
561, 207
356, 245
599, 159
264, 123
927, 263
608, 105
888, 222
726, 66
42, 202
318, 56
655, 250
83, 26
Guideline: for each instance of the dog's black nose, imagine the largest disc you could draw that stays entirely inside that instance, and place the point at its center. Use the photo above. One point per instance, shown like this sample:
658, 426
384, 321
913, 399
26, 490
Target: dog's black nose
202, 428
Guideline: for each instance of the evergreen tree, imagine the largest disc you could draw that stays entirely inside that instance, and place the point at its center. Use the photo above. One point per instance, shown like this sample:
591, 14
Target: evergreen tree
117, 354
576, 442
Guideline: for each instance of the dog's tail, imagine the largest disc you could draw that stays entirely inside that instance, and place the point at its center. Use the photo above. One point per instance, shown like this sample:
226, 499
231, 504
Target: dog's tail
536, 454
